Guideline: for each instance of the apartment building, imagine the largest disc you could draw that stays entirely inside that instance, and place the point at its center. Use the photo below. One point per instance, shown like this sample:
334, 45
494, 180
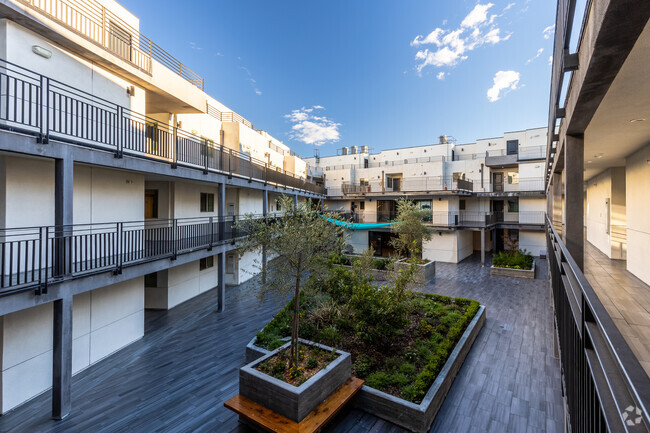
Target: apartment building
121, 180
598, 231
477, 195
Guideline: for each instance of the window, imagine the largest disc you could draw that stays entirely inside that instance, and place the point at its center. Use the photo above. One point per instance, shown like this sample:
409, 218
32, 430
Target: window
513, 206
461, 205
459, 175
512, 147
206, 262
278, 206
362, 205
513, 177
207, 202
389, 182
150, 203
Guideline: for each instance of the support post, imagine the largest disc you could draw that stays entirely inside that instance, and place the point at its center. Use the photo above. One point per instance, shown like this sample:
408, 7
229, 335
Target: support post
221, 280
295, 201
221, 211
63, 191
62, 358
265, 211
482, 247
574, 198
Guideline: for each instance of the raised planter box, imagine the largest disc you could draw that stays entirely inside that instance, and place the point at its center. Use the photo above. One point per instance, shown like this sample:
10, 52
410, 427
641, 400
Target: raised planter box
419, 417
294, 402
425, 273
517, 273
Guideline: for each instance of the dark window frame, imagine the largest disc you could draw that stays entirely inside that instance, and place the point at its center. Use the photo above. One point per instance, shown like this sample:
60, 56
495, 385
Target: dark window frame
207, 202
206, 263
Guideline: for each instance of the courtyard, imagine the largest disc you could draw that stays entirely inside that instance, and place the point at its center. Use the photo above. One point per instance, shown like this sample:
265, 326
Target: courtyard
179, 375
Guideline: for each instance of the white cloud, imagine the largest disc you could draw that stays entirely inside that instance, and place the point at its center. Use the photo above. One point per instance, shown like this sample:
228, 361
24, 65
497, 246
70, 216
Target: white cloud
548, 32
253, 82
477, 15
448, 47
312, 129
441, 75
510, 5
503, 81
539, 53
194, 46
550, 60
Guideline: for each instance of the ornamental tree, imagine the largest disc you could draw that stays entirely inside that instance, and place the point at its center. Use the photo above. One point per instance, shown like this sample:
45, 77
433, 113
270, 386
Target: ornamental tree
410, 229
298, 243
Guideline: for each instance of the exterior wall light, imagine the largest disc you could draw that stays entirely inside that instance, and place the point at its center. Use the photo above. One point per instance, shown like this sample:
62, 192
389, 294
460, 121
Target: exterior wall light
40, 51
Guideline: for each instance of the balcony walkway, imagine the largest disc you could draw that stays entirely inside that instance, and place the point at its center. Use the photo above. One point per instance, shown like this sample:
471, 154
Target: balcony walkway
625, 297
177, 377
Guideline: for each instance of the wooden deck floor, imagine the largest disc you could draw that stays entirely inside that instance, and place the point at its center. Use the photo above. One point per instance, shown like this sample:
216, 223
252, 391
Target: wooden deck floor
625, 297
178, 376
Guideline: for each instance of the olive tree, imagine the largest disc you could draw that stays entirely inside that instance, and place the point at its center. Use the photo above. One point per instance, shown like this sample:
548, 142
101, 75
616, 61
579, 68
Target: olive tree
298, 242
409, 228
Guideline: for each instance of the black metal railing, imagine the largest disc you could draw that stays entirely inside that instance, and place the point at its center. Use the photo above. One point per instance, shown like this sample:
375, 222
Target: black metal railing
99, 25
34, 104
606, 389
33, 257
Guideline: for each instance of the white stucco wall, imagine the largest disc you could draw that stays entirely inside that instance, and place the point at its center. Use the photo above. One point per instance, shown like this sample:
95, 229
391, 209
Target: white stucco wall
533, 242
104, 195
26, 355
443, 247
104, 321
26, 192
637, 173
187, 199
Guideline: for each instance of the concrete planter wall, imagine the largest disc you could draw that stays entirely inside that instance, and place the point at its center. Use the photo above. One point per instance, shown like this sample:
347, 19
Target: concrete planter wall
517, 273
419, 417
294, 402
425, 273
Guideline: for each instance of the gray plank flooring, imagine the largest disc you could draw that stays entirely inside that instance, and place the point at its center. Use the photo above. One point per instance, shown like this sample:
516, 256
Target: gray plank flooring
177, 377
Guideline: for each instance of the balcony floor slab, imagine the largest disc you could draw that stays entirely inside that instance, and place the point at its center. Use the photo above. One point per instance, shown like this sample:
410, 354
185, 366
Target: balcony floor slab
625, 297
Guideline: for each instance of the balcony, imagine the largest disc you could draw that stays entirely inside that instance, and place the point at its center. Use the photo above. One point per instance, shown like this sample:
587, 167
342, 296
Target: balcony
35, 257
425, 184
50, 110
99, 25
601, 375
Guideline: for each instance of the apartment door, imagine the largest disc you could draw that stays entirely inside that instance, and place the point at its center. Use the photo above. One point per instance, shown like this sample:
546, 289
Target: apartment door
497, 208
497, 182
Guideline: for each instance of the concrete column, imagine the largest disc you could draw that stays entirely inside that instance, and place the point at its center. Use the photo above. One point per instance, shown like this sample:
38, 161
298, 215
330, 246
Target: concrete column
295, 201
265, 212
494, 241
63, 191
482, 247
62, 358
221, 210
221, 280
574, 198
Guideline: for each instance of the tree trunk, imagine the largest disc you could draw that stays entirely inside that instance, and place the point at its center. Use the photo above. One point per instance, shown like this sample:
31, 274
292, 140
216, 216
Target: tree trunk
296, 314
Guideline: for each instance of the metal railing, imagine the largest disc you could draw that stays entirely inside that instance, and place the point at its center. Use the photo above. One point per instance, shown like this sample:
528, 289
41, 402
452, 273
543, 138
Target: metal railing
32, 258
97, 24
606, 389
34, 104
532, 152
525, 217
407, 184
398, 162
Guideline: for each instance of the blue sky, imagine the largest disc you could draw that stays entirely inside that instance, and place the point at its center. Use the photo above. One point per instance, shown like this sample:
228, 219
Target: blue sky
327, 74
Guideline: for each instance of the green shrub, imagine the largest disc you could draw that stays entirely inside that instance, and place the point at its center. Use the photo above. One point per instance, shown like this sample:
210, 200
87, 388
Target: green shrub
363, 365
380, 264
312, 362
399, 380
513, 259
378, 380
407, 368
329, 336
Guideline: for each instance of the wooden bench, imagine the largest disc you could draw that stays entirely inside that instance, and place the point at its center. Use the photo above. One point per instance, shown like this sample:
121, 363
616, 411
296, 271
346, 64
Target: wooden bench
273, 422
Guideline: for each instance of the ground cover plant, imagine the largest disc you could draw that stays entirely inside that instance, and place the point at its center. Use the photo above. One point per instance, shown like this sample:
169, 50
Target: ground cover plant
399, 340
379, 263
513, 259
310, 361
